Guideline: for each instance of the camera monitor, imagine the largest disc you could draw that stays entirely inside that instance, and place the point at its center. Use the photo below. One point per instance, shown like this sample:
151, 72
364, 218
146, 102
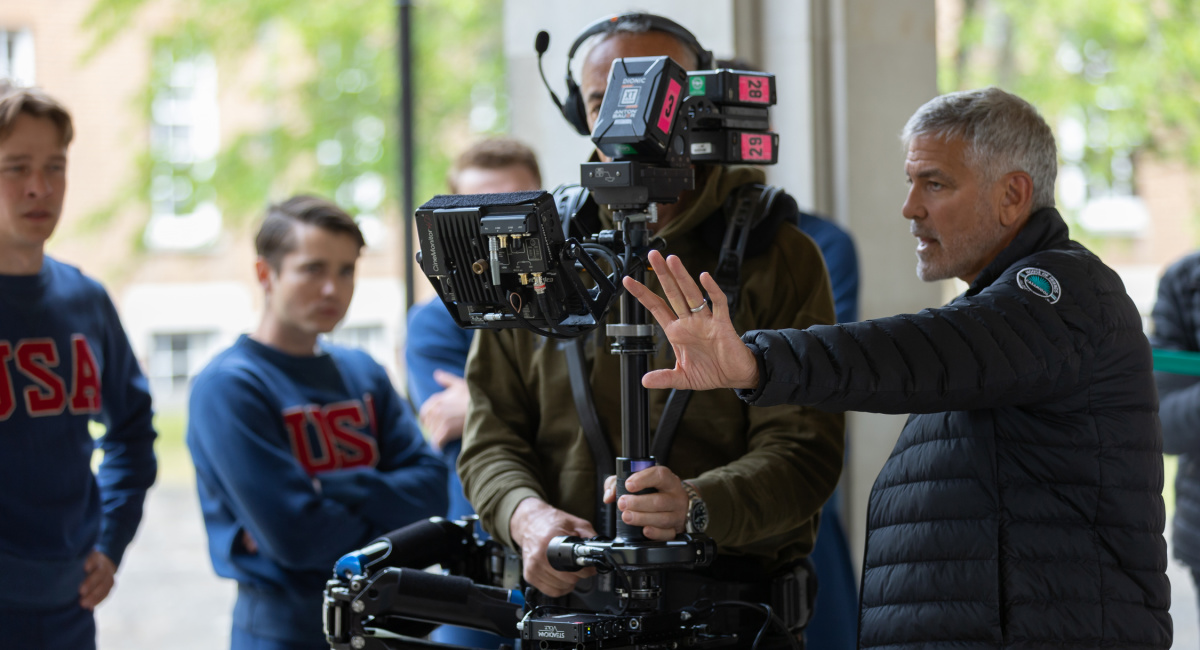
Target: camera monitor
501, 261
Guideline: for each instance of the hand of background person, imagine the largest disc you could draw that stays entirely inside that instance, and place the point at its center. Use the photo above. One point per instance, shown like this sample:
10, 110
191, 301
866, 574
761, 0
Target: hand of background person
98, 581
663, 514
708, 351
534, 523
249, 543
444, 413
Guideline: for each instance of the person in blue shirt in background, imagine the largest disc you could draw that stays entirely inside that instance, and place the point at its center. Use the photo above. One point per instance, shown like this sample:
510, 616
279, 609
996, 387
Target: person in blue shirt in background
303, 449
834, 624
436, 351
64, 361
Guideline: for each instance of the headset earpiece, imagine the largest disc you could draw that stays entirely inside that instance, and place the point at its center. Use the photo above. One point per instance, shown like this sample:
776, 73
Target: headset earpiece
575, 109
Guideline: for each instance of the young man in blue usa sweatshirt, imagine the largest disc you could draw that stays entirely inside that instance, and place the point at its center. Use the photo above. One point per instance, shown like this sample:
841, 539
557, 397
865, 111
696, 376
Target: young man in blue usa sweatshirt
303, 450
64, 360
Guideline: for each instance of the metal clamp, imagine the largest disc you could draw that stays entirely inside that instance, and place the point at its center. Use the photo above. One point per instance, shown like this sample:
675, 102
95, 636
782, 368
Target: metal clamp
623, 329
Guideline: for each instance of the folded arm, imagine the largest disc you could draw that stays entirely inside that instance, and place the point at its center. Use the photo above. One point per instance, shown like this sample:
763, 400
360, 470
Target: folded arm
408, 482
237, 438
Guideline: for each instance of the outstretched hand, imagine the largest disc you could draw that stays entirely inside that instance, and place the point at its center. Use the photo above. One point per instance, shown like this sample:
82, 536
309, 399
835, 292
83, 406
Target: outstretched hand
708, 351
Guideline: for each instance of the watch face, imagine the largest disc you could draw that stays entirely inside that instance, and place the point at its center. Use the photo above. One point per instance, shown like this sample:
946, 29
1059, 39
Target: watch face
699, 516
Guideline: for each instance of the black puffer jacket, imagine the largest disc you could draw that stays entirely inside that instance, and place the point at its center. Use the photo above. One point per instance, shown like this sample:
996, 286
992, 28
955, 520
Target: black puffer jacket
1022, 506
1177, 327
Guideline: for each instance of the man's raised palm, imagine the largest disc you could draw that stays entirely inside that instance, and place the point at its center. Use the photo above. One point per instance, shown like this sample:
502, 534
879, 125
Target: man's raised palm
708, 351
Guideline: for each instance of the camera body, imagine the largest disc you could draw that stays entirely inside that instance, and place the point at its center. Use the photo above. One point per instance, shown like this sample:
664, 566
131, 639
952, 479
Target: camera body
659, 112
656, 120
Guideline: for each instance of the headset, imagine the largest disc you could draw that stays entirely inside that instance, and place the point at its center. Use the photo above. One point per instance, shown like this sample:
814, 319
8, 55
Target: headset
574, 107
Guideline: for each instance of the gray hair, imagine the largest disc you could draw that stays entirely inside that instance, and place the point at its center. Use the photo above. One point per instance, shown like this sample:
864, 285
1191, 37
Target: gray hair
1003, 133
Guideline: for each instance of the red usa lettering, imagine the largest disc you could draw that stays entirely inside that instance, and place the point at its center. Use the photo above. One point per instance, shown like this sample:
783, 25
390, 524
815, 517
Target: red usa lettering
312, 451
8, 402
85, 377
38, 359
333, 437
345, 422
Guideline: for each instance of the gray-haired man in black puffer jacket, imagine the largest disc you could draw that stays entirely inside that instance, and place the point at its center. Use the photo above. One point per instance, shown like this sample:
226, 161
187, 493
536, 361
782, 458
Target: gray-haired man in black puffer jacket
1022, 506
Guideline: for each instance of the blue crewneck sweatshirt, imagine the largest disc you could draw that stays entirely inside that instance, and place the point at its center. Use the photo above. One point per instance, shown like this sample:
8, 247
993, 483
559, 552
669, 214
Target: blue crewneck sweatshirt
312, 456
65, 360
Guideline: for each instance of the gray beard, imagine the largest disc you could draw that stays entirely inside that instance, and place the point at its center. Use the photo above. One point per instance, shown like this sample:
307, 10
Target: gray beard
961, 254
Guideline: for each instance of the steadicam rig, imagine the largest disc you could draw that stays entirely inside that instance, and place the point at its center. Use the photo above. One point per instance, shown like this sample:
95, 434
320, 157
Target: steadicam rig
501, 261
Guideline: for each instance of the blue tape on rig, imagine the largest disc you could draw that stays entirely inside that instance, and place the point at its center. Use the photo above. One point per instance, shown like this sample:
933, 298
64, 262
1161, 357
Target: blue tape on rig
350, 564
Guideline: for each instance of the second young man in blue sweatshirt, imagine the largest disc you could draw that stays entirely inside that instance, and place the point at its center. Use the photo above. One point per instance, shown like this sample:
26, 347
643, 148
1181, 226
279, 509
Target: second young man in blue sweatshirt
303, 450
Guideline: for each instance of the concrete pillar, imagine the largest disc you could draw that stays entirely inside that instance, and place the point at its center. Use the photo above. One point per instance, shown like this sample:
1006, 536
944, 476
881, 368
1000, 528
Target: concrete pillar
882, 66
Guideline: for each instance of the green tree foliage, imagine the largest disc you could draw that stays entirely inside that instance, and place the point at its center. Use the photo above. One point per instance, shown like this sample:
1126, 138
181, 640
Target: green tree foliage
316, 86
1127, 71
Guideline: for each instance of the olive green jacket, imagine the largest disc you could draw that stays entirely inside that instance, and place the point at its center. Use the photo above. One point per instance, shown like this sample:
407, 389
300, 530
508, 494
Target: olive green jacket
763, 472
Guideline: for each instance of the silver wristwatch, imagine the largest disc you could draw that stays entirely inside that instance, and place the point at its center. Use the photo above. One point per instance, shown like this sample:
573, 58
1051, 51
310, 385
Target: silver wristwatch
697, 514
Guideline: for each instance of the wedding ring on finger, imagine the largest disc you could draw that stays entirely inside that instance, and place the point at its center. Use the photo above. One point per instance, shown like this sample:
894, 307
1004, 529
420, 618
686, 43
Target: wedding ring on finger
698, 308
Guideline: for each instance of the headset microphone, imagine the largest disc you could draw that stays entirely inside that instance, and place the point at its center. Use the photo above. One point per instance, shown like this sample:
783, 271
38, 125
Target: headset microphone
541, 43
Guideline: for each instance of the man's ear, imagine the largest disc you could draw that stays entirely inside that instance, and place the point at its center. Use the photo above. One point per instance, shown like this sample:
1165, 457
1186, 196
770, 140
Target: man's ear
1017, 201
262, 271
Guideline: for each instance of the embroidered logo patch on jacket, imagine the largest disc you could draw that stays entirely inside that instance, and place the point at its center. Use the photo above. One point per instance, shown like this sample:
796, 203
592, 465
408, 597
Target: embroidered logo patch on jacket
1040, 283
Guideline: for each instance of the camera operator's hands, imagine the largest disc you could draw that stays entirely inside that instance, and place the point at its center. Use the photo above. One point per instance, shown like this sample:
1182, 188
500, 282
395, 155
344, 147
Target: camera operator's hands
444, 413
663, 514
708, 351
534, 523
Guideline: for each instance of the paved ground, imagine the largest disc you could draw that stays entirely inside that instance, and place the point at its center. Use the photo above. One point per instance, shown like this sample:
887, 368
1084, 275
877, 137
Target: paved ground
1183, 606
168, 598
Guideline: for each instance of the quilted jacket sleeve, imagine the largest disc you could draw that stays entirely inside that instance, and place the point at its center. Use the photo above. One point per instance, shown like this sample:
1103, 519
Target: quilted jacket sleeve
1003, 345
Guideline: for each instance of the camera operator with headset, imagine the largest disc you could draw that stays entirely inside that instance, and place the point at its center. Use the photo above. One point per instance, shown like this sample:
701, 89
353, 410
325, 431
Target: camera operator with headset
753, 479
